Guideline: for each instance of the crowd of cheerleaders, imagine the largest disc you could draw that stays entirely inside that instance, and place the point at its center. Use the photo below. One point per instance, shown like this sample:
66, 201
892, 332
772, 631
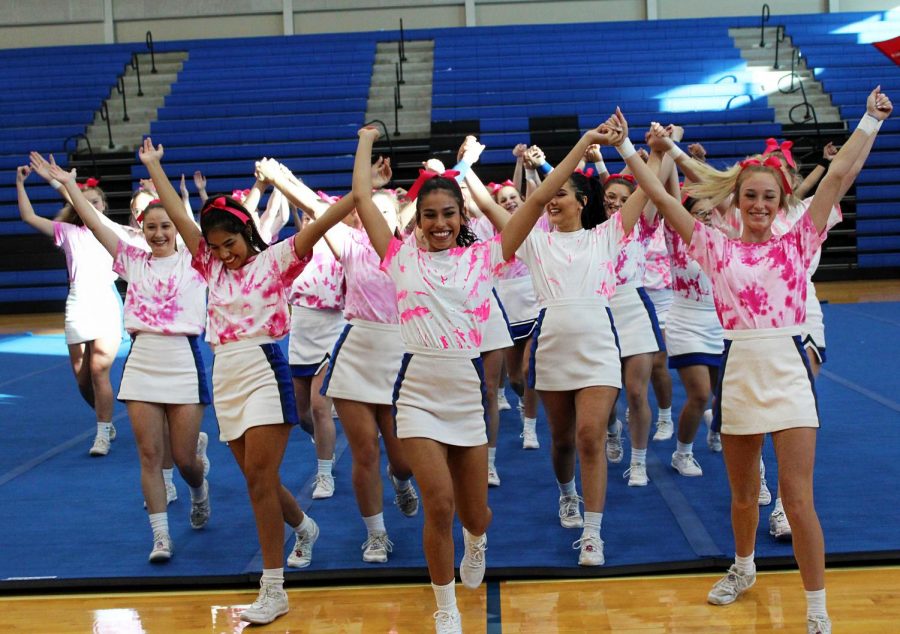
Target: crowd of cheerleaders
572, 289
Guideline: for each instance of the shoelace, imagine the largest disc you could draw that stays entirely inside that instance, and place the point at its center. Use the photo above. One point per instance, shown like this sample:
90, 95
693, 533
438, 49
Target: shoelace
569, 506
381, 541
476, 551
637, 469
586, 541
821, 622
443, 618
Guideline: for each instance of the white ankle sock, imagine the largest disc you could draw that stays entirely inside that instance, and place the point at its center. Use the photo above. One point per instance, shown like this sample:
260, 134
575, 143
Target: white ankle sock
273, 577
778, 506
445, 596
567, 488
159, 522
638, 456
745, 565
103, 429
375, 523
168, 474
665, 414
197, 493
592, 522
324, 467
815, 603
303, 526
529, 423
492, 456
684, 447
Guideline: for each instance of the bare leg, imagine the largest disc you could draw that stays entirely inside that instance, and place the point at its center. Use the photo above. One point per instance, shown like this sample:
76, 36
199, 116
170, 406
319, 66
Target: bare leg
742, 463
560, 409
637, 369
591, 407
184, 428
360, 427
147, 422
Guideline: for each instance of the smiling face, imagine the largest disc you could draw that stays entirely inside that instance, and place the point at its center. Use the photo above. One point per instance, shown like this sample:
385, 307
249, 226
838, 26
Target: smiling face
759, 198
509, 198
159, 232
564, 209
439, 219
614, 197
231, 248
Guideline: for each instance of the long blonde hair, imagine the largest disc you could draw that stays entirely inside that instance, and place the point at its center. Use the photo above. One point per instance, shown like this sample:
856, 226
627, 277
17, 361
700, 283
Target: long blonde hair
719, 185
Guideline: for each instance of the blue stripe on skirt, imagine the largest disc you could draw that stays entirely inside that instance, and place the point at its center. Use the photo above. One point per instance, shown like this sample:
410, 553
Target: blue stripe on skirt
202, 385
334, 356
407, 357
532, 374
651, 313
282, 372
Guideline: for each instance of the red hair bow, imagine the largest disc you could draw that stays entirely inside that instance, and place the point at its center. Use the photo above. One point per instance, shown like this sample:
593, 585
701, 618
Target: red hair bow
90, 183
240, 194
496, 187
588, 173
221, 203
426, 175
140, 216
775, 164
784, 148
624, 177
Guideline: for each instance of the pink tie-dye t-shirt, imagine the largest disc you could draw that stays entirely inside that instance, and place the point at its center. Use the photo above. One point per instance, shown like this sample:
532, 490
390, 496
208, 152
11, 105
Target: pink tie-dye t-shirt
658, 270
758, 285
631, 262
88, 261
574, 264
165, 296
321, 284
371, 294
251, 301
784, 221
688, 279
444, 297
485, 230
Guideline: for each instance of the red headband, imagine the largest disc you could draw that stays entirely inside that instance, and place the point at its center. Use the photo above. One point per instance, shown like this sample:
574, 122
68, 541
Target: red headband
624, 177
775, 164
89, 183
140, 216
496, 187
221, 204
784, 148
240, 194
425, 175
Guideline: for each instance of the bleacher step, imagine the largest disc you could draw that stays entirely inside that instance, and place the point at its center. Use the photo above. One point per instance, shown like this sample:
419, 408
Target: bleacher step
413, 119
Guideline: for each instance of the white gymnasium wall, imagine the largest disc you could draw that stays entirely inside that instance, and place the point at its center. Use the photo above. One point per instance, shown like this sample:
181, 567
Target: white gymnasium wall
25, 23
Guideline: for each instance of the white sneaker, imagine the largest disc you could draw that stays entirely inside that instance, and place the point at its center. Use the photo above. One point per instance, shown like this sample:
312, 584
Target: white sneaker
765, 496
324, 487
162, 548
591, 547
713, 438
779, 527
100, 446
529, 438
471, 568
664, 430
301, 555
447, 622
637, 475
200, 509
818, 625
730, 587
407, 500
376, 548
271, 603
493, 476
686, 465
202, 445
171, 493
112, 432
614, 452
570, 512
502, 403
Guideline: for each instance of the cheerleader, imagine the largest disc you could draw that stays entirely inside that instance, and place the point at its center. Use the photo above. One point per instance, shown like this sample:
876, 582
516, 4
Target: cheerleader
93, 322
164, 381
254, 404
765, 384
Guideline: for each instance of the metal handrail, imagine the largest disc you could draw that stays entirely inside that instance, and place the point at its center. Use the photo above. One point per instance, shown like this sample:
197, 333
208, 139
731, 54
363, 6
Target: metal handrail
104, 115
745, 94
762, 25
398, 68
120, 88
397, 106
734, 77
387, 136
779, 38
79, 135
149, 41
402, 43
136, 65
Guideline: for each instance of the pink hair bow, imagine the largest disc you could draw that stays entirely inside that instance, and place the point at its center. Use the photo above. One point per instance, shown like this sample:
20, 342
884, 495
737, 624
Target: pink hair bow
496, 187
774, 163
328, 199
240, 194
425, 175
221, 203
784, 148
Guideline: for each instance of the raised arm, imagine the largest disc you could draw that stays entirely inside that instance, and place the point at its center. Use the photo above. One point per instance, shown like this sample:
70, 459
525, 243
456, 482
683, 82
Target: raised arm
374, 223
844, 165
200, 184
486, 203
85, 210
26, 211
151, 156
41, 167
519, 152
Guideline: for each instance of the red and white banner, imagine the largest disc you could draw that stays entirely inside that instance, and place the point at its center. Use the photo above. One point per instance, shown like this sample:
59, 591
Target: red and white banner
891, 48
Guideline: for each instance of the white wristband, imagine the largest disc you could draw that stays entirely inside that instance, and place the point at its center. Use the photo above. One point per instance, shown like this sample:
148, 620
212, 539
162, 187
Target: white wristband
869, 124
55, 184
626, 150
675, 152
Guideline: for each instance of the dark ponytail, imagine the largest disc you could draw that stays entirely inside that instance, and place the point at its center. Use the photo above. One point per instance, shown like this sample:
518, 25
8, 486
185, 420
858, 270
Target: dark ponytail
589, 192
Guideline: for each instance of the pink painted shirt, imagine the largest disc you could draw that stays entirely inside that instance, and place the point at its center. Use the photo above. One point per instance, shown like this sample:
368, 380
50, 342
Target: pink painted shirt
444, 297
251, 301
485, 230
88, 261
574, 264
658, 271
758, 285
321, 284
632, 259
688, 279
371, 294
165, 296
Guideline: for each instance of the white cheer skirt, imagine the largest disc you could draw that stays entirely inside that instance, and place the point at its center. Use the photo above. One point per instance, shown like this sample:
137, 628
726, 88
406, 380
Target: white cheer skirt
313, 334
813, 330
574, 346
251, 387
495, 335
93, 312
765, 384
164, 369
441, 396
635, 319
694, 335
662, 299
520, 303
365, 363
